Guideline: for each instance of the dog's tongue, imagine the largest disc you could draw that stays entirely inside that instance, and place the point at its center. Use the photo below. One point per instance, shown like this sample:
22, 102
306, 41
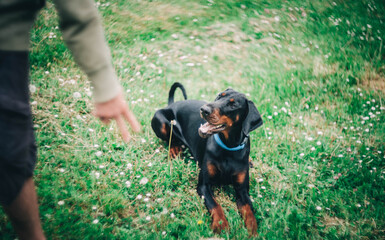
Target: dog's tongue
205, 130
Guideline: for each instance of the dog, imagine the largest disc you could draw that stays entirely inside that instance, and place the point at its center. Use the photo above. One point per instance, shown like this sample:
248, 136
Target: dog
217, 135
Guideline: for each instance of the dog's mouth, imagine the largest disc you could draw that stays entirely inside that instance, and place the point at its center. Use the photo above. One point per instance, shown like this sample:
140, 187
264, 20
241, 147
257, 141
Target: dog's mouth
209, 129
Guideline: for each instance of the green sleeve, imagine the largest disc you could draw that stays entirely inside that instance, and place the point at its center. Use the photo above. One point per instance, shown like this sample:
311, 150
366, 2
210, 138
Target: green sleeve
83, 34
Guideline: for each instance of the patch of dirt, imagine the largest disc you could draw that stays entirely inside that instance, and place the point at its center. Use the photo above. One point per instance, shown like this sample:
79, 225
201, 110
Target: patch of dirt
333, 221
160, 12
321, 69
373, 81
228, 32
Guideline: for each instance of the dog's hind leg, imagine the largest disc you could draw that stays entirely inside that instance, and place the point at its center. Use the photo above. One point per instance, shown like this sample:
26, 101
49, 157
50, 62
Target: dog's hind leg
162, 129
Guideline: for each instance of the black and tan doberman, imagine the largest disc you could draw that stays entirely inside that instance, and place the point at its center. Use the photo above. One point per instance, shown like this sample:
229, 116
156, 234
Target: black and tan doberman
217, 135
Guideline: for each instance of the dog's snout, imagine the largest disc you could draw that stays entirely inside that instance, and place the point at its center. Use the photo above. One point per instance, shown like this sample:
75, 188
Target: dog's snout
205, 110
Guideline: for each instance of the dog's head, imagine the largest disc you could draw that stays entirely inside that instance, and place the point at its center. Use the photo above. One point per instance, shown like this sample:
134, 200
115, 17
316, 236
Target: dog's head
228, 110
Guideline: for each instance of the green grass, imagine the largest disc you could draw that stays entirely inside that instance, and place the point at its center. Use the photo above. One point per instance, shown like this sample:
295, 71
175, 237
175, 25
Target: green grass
314, 69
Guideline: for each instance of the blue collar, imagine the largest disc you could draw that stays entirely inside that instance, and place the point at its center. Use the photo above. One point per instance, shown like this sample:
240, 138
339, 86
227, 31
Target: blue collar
222, 145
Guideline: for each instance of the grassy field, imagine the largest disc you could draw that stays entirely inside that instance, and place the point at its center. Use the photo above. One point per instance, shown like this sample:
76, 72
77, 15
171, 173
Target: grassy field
314, 69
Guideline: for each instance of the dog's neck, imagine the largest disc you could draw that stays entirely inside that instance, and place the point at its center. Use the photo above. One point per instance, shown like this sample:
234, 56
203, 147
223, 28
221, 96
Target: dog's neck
235, 137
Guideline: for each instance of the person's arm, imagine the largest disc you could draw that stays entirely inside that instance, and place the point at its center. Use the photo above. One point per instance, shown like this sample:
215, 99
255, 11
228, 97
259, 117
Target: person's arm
82, 31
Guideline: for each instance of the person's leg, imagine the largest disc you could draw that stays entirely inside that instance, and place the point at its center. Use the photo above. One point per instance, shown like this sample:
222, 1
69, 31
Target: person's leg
17, 147
24, 213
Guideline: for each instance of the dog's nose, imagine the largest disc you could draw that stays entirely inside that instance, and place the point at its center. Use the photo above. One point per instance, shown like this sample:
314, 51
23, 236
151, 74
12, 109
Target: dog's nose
205, 110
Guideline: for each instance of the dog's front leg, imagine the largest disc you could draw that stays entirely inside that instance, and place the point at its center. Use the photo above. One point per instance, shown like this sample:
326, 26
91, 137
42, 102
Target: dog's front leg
219, 221
245, 207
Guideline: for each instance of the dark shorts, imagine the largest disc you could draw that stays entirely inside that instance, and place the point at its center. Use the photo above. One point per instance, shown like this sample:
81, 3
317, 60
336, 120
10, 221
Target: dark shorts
17, 141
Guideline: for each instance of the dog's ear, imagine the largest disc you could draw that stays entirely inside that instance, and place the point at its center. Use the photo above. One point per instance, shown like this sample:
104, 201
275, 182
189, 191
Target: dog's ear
253, 119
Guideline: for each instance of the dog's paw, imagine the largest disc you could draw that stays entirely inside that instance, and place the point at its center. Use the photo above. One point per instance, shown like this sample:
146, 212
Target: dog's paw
219, 224
251, 225
219, 220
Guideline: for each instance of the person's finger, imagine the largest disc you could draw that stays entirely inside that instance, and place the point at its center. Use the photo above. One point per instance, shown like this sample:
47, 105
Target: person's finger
131, 119
123, 128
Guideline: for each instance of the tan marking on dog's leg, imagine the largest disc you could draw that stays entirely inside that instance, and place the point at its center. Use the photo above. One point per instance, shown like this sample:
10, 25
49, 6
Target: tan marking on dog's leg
219, 222
249, 219
211, 169
240, 177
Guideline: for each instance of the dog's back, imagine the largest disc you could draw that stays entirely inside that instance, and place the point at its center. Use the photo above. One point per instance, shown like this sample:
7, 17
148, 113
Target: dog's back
186, 115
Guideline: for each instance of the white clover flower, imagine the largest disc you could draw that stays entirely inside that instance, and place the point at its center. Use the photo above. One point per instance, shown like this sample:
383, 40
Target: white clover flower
95, 221
128, 184
99, 153
148, 218
319, 208
276, 18
60, 203
129, 166
32, 88
143, 181
172, 215
77, 95
165, 211
139, 197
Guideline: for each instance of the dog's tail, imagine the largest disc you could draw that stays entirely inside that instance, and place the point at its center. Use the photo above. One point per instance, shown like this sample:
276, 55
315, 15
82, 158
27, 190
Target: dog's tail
172, 92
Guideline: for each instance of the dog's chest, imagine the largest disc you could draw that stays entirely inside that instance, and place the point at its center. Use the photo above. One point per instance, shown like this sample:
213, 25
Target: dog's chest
226, 168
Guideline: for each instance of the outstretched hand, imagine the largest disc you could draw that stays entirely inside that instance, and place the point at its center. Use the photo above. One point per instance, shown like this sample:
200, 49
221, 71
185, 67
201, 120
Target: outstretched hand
117, 110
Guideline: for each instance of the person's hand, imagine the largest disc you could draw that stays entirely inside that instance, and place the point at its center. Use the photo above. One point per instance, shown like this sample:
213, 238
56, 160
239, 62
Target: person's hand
117, 109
